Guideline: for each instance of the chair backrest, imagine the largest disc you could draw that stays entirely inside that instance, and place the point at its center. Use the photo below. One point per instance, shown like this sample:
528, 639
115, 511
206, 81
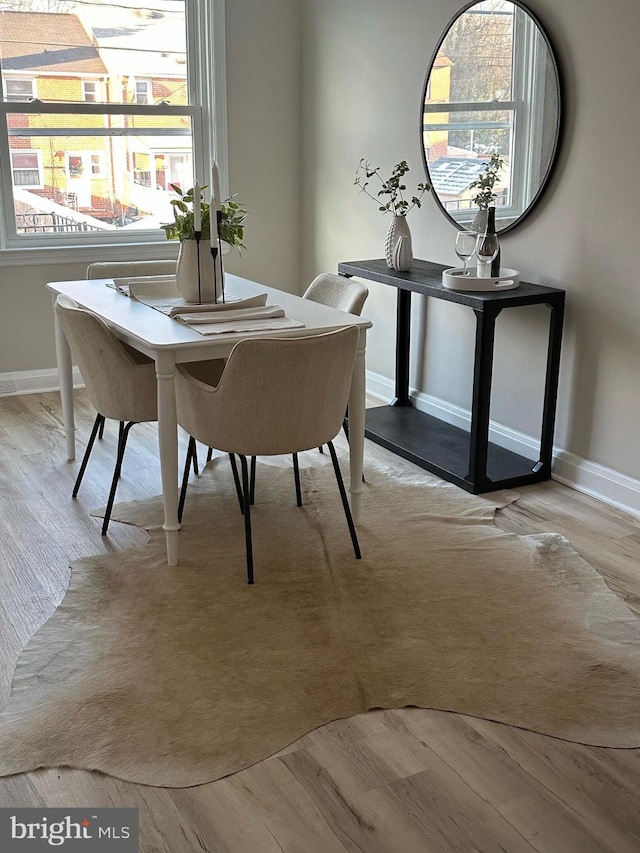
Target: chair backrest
118, 386
337, 292
130, 269
275, 395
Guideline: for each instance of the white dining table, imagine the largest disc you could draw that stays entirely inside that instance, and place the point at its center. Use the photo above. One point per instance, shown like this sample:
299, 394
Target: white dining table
169, 342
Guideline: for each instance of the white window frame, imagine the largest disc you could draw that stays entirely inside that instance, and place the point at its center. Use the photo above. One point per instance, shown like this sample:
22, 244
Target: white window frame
95, 95
207, 110
100, 174
76, 112
13, 79
38, 153
148, 90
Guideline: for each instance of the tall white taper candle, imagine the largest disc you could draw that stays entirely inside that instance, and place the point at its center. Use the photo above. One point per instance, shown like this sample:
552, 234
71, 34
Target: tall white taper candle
197, 209
216, 199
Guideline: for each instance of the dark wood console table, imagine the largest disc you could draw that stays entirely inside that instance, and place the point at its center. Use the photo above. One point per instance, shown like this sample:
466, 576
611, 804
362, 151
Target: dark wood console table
467, 459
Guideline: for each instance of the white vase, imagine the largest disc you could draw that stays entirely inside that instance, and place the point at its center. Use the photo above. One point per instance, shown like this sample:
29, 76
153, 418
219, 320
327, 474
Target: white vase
191, 286
397, 247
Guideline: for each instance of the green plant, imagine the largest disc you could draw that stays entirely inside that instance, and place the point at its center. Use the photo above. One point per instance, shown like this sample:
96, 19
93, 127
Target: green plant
231, 222
392, 187
486, 182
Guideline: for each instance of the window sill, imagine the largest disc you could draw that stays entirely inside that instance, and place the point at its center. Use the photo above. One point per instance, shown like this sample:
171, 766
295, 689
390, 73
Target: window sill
32, 256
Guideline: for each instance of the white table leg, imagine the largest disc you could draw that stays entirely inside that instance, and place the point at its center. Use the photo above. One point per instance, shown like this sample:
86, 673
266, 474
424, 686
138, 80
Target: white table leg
168, 440
356, 427
65, 377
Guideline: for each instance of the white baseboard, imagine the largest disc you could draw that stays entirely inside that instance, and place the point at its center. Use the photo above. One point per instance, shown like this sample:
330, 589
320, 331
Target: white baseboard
34, 382
595, 480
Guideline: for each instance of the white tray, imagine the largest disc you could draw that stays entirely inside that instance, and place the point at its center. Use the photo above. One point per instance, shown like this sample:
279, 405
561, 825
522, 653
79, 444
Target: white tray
454, 279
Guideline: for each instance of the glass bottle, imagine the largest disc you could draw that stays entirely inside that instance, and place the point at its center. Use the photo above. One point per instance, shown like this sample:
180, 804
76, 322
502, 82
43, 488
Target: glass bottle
488, 249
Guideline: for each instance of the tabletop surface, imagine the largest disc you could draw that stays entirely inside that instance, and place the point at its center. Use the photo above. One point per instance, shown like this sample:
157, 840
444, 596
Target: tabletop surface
137, 322
426, 277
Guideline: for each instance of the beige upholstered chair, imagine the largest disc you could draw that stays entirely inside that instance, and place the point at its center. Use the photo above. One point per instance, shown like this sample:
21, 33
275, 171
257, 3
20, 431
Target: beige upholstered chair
342, 293
125, 269
275, 396
339, 292
120, 382
336, 291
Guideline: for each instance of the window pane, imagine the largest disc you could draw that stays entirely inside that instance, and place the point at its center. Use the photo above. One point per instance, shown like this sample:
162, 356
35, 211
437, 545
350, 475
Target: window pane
479, 53
112, 43
19, 90
458, 146
99, 172
142, 92
89, 91
476, 133
96, 168
24, 159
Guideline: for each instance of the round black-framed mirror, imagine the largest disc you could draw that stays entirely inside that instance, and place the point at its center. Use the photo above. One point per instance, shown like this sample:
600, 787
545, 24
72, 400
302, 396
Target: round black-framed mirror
491, 105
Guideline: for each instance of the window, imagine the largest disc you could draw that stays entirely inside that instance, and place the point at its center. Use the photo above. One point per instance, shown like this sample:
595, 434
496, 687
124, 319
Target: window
143, 92
19, 90
96, 165
90, 90
105, 148
26, 170
142, 168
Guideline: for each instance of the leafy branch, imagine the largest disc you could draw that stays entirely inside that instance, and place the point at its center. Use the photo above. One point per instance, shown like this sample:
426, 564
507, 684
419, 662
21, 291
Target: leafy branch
392, 187
486, 182
232, 223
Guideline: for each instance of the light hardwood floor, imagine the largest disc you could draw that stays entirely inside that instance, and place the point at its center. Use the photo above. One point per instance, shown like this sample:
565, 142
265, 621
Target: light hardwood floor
408, 781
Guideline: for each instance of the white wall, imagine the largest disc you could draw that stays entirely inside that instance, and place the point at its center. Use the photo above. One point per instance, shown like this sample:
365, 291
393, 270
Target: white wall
264, 97
364, 68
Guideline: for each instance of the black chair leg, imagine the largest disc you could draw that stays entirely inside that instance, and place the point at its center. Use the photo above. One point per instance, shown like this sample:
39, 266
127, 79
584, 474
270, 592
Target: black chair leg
296, 474
122, 444
101, 432
121, 428
321, 449
196, 469
236, 480
252, 485
247, 516
191, 450
345, 501
97, 425
210, 454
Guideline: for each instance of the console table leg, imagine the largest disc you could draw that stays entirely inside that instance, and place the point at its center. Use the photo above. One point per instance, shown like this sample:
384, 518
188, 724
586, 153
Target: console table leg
482, 374
556, 319
403, 334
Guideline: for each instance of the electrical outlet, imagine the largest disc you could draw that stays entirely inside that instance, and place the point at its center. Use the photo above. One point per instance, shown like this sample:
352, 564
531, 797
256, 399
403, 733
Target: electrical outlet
7, 387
